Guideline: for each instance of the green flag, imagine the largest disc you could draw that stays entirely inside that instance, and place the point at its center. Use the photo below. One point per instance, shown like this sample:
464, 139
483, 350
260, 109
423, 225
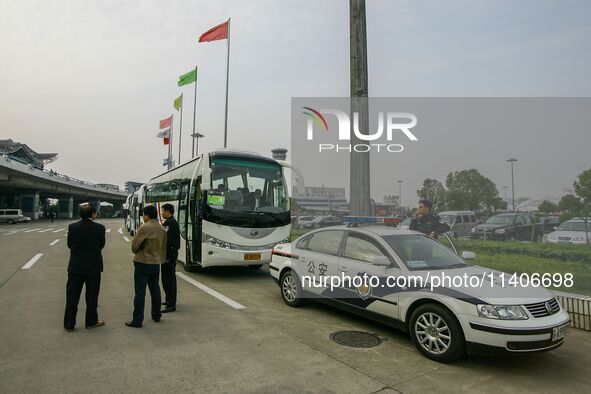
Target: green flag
188, 78
178, 102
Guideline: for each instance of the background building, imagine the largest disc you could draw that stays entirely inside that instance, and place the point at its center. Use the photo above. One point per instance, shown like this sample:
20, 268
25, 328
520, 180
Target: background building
24, 154
322, 198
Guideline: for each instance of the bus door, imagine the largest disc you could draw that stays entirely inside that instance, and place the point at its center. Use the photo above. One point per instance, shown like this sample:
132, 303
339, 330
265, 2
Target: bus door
195, 220
183, 220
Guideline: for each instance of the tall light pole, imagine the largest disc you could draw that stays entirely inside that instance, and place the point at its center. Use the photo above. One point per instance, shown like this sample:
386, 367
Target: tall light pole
512, 183
359, 167
505, 188
400, 193
196, 137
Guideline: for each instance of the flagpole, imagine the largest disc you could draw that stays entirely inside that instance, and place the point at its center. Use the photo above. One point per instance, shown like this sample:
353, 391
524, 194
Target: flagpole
181, 129
227, 80
194, 114
170, 142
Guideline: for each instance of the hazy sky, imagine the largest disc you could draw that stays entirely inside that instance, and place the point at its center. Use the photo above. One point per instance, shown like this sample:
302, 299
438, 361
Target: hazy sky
91, 79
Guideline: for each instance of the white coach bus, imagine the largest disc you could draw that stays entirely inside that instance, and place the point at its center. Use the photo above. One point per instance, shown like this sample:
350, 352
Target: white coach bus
232, 208
137, 200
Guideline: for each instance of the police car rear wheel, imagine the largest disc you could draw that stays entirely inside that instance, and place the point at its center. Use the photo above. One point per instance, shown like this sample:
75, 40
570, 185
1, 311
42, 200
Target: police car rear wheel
291, 290
436, 333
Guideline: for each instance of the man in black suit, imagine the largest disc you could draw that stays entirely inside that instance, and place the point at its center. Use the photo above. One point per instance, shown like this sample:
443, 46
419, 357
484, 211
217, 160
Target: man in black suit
173, 243
86, 239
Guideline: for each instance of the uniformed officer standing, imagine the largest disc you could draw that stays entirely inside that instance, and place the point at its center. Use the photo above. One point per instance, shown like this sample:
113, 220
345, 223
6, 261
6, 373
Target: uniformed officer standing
426, 222
173, 244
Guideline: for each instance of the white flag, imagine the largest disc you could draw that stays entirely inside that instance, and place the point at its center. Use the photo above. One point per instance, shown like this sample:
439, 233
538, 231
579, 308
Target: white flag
164, 133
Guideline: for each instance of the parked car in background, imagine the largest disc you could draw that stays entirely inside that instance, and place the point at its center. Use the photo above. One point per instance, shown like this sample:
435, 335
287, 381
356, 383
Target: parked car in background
570, 232
303, 220
511, 226
12, 216
549, 223
323, 221
460, 223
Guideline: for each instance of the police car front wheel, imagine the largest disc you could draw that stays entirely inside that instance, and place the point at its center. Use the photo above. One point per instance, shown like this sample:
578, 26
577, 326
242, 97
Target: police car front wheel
436, 333
291, 290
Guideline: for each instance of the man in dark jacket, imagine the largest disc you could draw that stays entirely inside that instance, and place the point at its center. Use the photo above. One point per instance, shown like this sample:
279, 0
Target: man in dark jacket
173, 243
86, 239
427, 223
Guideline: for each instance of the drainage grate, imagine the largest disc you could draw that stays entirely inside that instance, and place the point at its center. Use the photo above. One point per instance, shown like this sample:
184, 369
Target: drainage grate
357, 339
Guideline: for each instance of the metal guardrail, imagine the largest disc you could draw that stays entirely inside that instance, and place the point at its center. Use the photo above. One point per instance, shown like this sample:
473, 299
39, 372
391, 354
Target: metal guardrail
578, 307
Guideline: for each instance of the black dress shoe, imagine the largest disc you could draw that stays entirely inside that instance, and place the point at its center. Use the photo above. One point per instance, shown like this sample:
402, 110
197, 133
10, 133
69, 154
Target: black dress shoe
156, 320
132, 324
163, 304
168, 309
70, 329
100, 323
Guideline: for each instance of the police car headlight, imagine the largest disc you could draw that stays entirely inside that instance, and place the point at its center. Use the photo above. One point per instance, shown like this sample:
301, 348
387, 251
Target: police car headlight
501, 312
501, 231
216, 242
473, 230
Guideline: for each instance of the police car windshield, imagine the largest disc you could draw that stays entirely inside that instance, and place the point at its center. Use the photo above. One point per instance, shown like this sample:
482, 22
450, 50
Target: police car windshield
419, 252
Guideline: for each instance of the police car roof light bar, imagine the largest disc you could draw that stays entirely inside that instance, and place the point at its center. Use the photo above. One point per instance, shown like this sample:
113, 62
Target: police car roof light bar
356, 221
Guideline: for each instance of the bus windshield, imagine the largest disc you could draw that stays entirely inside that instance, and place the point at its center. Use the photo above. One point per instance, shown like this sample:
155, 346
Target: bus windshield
248, 186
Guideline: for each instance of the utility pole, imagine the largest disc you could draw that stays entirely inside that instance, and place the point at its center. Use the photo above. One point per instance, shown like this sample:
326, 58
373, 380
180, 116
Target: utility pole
512, 183
400, 192
505, 187
359, 167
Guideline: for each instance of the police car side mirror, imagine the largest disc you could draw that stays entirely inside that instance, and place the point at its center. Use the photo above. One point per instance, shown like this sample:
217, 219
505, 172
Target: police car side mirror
382, 261
468, 255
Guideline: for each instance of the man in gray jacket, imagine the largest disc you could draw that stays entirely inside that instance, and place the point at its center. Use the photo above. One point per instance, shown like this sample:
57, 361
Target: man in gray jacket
149, 246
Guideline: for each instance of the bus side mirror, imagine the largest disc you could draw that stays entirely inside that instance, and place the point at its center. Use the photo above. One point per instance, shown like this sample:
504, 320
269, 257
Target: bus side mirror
468, 255
206, 179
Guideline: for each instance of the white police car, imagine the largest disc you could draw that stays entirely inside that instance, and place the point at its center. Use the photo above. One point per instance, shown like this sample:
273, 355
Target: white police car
445, 321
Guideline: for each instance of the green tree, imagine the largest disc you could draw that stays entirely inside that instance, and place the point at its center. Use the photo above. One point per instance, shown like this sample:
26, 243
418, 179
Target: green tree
571, 205
469, 189
583, 186
433, 191
583, 190
548, 207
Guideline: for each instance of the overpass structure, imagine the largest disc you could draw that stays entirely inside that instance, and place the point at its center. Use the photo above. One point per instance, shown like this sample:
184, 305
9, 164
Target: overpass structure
27, 187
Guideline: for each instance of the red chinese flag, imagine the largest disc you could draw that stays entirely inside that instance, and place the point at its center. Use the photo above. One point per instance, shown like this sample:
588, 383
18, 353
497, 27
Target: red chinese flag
166, 141
164, 123
219, 32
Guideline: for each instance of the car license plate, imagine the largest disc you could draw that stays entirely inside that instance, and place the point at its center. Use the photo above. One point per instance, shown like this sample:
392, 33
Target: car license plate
252, 256
559, 332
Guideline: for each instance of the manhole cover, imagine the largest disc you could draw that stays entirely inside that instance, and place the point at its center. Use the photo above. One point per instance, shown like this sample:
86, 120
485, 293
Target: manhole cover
357, 339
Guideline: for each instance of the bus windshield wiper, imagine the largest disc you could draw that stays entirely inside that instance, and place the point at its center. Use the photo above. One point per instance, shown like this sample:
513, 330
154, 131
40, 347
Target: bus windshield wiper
273, 215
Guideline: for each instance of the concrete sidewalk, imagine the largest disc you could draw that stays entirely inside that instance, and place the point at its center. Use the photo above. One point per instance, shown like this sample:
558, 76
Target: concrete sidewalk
208, 346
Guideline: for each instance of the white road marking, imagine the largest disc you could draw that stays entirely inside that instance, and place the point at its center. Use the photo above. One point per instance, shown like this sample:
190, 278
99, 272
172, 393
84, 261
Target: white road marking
57, 231
127, 239
54, 242
31, 262
46, 230
108, 230
120, 231
211, 291
35, 229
